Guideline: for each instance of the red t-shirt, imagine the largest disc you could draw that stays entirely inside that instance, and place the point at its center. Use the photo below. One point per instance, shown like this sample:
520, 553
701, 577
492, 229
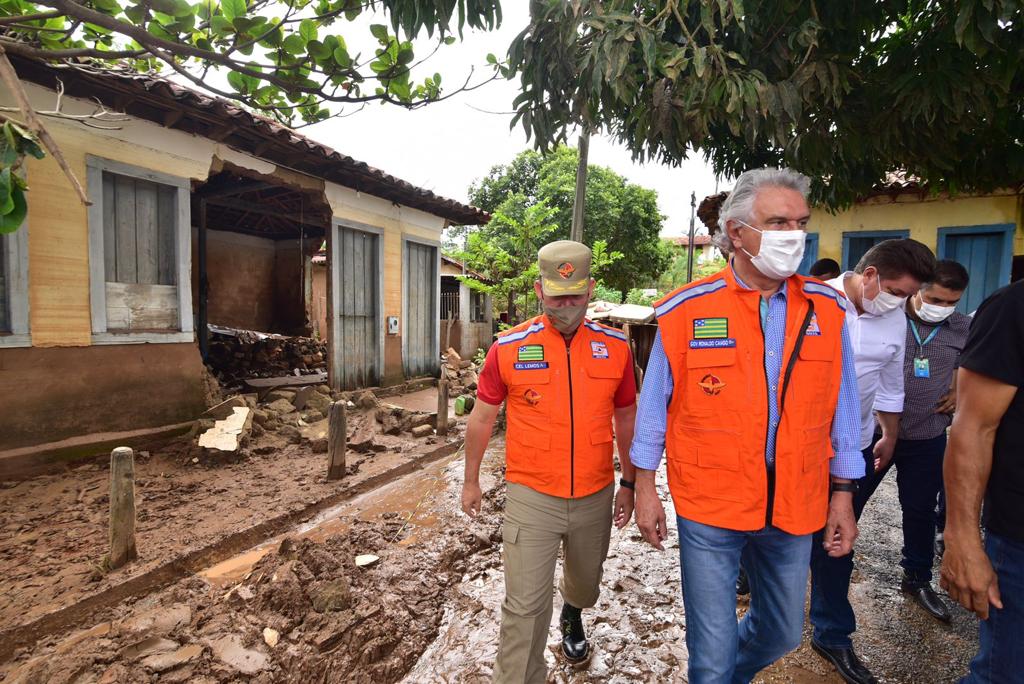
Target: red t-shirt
491, 389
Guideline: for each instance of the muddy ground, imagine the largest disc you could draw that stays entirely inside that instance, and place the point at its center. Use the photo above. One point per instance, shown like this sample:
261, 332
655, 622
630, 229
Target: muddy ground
54, 527
427, 610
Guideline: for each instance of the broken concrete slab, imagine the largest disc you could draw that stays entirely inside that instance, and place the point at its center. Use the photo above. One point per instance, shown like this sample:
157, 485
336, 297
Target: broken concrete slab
320, 402
230, 434
422, 431
223, 410
230, 651
161, 662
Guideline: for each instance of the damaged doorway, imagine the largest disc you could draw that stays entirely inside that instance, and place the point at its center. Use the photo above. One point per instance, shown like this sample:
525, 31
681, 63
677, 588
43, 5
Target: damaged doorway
357, 351
255, 236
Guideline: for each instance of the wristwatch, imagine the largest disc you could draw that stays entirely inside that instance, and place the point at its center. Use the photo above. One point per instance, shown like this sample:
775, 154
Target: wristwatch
851, 487
623, 482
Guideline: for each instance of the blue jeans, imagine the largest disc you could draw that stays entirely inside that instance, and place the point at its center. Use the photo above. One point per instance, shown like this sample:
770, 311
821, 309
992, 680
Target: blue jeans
1000, 658
722, 651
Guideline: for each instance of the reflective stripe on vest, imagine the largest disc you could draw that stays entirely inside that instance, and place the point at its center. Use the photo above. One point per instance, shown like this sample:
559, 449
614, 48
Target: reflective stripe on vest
560, 404
718, 416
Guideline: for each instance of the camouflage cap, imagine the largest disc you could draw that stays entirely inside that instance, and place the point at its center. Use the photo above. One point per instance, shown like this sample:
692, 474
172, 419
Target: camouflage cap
564, 268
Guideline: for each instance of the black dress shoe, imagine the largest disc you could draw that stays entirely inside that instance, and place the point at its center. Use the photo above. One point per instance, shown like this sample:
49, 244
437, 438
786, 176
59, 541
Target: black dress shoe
575, 647
742, 583
926, 597
847, 664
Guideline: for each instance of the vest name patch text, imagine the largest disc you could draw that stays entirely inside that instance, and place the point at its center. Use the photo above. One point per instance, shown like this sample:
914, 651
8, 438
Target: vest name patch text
530, 365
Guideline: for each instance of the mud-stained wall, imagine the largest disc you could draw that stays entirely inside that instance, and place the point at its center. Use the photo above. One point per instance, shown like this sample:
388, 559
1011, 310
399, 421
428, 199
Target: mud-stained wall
240, 270
50, 394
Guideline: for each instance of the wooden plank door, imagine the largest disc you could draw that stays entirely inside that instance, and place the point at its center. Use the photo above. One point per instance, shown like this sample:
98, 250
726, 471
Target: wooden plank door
357, 324
986, 256
422, 282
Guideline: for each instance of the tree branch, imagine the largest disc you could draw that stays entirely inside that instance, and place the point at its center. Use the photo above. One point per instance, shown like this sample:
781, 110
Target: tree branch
10, 78
40, 16
19, 48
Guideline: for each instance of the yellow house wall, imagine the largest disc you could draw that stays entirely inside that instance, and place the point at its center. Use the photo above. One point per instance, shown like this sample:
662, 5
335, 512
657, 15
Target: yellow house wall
58, 227
923, 218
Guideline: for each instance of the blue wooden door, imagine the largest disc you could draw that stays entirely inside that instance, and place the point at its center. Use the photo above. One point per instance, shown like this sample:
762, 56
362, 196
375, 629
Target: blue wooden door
857, 243
810, 254
986, 252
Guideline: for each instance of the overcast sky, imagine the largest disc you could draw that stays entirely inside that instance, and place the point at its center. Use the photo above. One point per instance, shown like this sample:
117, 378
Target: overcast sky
447, 145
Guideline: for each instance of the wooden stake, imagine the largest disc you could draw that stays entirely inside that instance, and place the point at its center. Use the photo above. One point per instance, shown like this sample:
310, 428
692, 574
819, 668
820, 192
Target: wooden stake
336, 438
122, 507
442, 405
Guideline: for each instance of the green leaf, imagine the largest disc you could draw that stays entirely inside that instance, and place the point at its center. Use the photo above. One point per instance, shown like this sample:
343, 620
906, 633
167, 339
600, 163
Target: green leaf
318, 50
13, 219
380, 32
307, 29
491, 59
6, 199
221, 26
233, 8
294, 44
237, 81
450, 40
342, 58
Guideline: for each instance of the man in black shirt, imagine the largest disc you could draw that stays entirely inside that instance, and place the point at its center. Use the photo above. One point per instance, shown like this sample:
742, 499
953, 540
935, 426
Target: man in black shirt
985, 459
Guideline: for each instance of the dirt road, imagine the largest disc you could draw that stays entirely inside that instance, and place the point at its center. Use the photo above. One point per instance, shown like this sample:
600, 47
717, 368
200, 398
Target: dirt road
301, 609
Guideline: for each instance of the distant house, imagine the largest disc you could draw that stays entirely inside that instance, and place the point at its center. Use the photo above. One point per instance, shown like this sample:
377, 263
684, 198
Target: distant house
704, 251
984, 232
467, 319
202, 213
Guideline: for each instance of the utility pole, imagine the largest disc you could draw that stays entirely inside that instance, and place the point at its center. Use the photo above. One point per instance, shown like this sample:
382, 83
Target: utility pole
689, 256
576, 233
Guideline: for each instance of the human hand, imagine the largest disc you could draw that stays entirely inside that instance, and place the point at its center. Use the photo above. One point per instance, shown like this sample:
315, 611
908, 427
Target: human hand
967, 574
471, 496
650, 514
947, 404
883, 451
623, 506
841, 528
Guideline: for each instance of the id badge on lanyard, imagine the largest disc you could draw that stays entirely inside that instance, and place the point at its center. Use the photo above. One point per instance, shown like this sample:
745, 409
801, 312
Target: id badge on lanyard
921, 368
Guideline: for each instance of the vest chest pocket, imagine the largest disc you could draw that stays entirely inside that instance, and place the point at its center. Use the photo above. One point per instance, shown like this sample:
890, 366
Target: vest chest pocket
530, 394
814, 371
714, 381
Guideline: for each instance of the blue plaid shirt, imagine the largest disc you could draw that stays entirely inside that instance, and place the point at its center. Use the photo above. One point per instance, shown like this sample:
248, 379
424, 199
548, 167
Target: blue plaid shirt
652, 412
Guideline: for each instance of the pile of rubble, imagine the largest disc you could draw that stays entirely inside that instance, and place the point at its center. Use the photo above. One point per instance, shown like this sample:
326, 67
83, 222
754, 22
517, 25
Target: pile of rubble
238, 354
462, 374
300, 416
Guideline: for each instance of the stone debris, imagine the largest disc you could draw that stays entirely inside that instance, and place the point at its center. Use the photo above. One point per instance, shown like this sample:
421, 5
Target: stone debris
230, 434
271, 636
238, 354
422, 431
366, 560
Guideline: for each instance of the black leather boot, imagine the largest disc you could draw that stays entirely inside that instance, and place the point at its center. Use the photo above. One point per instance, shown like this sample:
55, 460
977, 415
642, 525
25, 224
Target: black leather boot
847, 664
575, 647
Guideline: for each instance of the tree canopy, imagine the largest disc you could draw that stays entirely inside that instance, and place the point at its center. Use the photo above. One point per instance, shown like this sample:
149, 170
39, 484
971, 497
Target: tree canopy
286, 58
845, 92
619, 214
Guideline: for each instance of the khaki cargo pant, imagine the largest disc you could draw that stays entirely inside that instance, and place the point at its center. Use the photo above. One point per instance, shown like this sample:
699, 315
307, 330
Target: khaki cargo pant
535, 526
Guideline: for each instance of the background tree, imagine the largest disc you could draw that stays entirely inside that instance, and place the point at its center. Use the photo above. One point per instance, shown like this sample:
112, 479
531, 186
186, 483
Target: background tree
287, 59
622, 215
845, 92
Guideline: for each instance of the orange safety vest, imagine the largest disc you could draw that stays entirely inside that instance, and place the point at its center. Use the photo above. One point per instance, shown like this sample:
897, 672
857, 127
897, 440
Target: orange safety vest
560, 403
718, 415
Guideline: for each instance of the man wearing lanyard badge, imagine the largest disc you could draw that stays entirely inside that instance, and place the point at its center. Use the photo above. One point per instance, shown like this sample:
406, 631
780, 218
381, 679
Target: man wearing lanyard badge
936, 334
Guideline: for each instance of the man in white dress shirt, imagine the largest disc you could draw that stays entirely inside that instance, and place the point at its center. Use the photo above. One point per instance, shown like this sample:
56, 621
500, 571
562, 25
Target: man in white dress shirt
878, 288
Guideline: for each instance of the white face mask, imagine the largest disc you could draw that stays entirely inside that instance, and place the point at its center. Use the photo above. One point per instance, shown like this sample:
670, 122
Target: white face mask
933, 313
883, 303
780, 254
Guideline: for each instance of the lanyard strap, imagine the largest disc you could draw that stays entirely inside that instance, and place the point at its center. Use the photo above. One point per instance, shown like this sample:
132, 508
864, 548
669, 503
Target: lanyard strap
917, 336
